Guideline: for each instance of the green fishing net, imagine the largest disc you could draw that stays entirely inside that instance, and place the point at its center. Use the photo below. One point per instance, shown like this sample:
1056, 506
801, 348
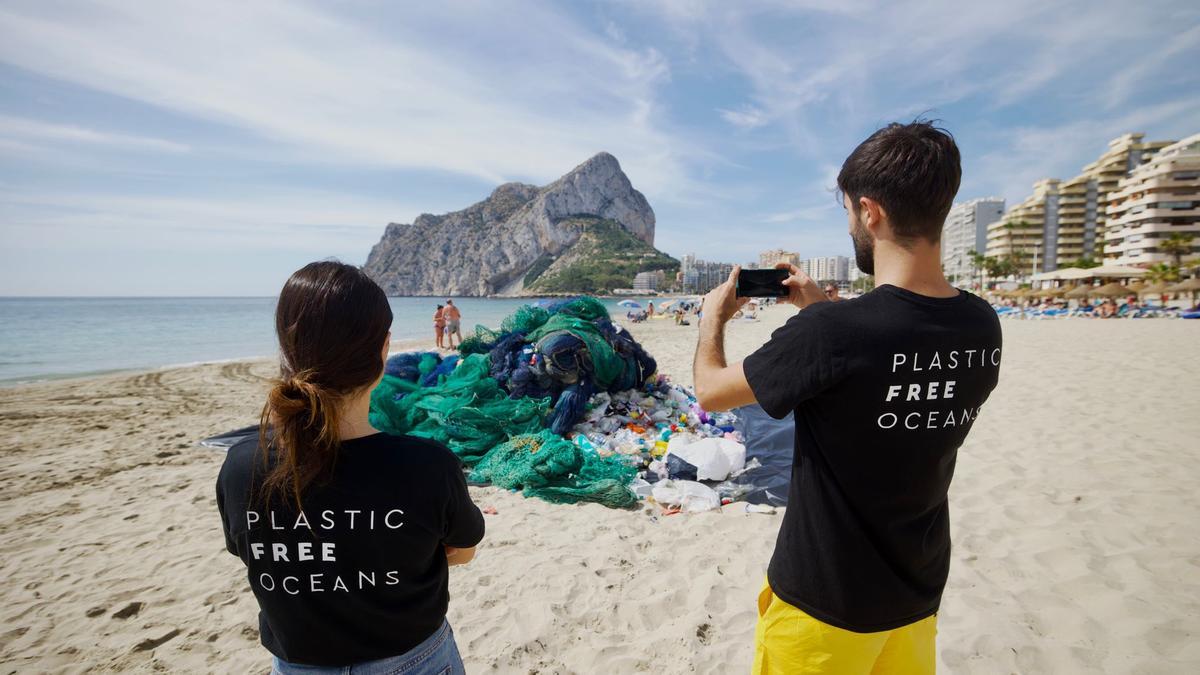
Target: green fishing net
554, 469
503, 438
467, 411
528, 318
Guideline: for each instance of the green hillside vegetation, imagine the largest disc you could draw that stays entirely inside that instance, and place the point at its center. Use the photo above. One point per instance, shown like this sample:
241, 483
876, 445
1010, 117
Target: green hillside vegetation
606, 257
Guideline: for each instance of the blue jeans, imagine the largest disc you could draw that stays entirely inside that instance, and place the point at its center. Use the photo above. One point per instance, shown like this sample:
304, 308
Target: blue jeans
437, 655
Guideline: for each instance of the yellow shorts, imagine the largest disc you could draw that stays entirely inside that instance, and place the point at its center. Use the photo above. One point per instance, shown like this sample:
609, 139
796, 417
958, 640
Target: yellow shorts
789, 642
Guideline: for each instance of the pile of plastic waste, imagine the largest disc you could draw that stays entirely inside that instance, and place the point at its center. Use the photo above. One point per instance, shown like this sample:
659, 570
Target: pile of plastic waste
663, 432
564, 405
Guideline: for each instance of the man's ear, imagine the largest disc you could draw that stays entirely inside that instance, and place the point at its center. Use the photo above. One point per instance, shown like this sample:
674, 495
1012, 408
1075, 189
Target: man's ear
872, 214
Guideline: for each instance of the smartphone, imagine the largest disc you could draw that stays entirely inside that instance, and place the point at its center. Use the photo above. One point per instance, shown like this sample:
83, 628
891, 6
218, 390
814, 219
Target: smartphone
761, 284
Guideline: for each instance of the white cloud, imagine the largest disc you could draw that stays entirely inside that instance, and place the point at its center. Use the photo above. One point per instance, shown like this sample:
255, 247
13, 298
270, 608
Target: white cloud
1125, 82
17, 128
748, 117
395, 94
309, 221
1029, 153
864, 63
818, 213
612, 30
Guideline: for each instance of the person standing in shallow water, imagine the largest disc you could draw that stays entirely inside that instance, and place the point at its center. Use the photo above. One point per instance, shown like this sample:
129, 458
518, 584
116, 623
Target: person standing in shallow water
439, 326
347, 533
453, 320
883, 389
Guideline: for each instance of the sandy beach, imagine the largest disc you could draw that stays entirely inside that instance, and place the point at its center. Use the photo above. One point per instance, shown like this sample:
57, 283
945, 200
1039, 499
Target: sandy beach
1075, 511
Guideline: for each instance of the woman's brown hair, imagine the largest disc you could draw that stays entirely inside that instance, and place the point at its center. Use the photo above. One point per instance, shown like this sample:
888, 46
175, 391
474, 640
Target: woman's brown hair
331, 321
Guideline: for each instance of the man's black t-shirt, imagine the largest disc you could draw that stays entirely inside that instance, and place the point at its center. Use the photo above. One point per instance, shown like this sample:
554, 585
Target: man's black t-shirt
884, 388
360, 572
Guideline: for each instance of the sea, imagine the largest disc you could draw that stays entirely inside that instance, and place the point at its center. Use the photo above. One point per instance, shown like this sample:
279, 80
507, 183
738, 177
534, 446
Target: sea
53, 338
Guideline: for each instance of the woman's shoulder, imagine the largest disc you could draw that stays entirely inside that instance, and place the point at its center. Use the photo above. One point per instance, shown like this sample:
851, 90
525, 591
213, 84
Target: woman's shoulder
415, 449
238, 467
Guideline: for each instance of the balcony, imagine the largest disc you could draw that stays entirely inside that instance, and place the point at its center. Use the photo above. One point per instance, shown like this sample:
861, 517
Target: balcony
1156, 183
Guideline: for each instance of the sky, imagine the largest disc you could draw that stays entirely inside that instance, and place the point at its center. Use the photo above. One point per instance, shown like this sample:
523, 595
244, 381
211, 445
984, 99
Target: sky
184, 148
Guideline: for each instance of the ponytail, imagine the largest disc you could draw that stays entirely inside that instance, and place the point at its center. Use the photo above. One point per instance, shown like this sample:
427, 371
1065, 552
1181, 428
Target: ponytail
305, 419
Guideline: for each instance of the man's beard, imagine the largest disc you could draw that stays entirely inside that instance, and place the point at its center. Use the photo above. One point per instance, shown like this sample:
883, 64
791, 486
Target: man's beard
864, 249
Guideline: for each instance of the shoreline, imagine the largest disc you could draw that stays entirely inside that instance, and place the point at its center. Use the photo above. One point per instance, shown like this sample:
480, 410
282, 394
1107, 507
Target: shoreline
101, 375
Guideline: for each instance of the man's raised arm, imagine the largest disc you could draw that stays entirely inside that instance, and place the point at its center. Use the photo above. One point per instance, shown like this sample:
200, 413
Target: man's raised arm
720, 386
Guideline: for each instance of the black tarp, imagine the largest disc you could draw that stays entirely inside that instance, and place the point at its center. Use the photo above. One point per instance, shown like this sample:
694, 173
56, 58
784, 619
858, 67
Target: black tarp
771, 442
229, 438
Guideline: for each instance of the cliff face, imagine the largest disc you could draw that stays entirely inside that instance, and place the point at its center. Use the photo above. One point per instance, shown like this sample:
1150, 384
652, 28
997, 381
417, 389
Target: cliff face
490, 247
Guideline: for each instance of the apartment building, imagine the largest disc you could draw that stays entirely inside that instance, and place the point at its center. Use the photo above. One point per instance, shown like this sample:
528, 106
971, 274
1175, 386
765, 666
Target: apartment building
1024, 227
965, 231
649, 281
768, 259
701, 276
1063, 221
1159, 198
829, 268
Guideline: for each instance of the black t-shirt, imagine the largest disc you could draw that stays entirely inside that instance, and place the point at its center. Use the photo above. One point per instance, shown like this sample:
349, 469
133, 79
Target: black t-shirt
360, 573
884, 388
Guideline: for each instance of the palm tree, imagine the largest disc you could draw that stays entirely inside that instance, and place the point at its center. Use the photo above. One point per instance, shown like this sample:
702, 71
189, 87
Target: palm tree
979, 264
1178, 245
1083, 263
1162, 272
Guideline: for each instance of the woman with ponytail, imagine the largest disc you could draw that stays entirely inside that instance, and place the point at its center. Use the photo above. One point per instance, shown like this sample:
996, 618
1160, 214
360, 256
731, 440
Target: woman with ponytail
347, 533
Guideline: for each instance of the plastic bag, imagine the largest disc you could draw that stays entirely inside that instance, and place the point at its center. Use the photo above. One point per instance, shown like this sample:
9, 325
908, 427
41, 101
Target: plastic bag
714, 458
688, 495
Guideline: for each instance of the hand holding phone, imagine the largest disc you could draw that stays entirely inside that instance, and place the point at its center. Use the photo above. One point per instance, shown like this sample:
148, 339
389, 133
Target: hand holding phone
802, 290
762, 283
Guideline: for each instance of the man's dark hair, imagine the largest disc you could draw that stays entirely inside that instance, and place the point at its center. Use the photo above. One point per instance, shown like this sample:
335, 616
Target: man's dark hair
912, 170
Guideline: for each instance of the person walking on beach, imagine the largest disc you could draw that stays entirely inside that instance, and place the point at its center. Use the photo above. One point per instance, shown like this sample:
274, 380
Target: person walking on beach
439, 326
453, 320
347, 533
884, 389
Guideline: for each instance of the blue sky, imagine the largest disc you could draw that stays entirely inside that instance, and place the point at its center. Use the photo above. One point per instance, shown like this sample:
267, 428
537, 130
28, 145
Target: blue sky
211, 148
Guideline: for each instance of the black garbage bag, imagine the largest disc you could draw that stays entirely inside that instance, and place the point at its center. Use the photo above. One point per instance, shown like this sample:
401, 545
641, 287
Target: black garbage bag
772, 443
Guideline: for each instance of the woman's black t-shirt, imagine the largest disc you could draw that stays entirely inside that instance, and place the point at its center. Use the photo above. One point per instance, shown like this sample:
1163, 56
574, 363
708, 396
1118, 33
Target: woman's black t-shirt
359, 573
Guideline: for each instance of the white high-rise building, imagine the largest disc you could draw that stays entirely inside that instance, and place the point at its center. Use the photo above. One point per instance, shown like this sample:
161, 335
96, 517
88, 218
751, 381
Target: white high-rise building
829, 268
701, 276
965, 231
1158, 199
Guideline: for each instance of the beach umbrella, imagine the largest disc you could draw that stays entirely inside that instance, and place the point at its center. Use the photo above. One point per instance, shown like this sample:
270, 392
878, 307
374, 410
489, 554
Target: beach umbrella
1112, 290
1116, 271
1156, 289
1137, 286
1073, 274
1186, 286
1192, 284
630, 304
1078, 293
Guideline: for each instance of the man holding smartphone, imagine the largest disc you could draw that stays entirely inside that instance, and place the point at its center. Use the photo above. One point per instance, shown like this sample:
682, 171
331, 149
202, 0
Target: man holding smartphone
884, 388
